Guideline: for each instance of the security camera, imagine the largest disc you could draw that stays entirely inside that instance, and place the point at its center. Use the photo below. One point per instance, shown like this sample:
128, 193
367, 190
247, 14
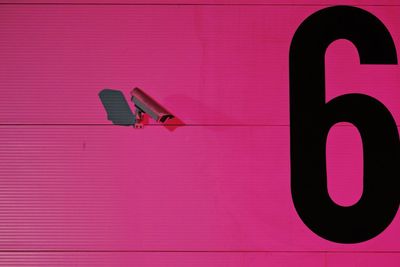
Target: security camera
145, 104
119, 112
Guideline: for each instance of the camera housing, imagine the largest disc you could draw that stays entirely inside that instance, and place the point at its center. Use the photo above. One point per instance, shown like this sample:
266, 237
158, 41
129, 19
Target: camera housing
146, 104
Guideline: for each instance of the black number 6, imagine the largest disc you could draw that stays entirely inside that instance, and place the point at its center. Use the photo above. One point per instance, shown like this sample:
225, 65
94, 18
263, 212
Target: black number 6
311, 119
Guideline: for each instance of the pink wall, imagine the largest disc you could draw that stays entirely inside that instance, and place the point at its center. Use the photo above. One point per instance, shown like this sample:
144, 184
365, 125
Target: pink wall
78, 191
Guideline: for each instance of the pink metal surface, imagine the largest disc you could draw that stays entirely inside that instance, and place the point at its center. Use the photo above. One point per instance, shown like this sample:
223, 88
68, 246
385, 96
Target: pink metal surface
214, 184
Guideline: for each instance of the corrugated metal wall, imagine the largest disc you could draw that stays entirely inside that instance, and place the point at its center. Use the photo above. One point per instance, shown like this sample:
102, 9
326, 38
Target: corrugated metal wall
76, 190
